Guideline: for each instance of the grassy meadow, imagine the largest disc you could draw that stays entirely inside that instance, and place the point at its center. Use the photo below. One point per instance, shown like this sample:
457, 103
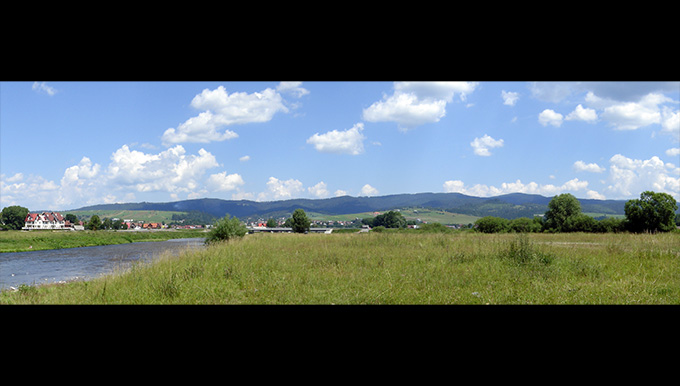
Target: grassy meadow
394, 268
22, 241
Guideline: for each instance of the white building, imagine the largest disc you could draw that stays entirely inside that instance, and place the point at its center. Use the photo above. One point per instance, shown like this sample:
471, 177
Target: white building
45, 220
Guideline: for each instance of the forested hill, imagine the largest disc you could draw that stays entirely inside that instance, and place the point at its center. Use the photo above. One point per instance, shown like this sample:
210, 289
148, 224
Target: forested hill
507, 206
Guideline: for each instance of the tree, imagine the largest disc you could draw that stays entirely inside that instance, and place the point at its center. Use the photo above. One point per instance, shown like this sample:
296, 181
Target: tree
271, 223
491, 224
95, 223
300, 222
653, 212
391, 219
72, 218
560, 209
226, 229
14, 217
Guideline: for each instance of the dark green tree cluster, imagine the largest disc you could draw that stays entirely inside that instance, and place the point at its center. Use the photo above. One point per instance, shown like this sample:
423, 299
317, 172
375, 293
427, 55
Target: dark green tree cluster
13, 217
391, 219
653, 212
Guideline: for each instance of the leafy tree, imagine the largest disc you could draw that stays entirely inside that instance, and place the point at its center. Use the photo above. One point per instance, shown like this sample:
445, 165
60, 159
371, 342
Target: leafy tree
107, 223
391, 219
525, 224
580, 223
560, 209
491, 224
300, 222
95, 223
72, 218
271, 223
653, 212
14, 217
226, 229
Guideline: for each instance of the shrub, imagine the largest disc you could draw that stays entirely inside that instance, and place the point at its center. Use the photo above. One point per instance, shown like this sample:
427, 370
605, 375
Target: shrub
492, 224
226, 229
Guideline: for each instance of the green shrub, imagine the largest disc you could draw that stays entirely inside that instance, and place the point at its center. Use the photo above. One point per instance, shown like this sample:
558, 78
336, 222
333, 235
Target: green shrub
226, 229
492, 224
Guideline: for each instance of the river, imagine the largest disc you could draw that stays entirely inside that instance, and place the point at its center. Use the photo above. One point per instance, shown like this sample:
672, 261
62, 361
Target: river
60, 265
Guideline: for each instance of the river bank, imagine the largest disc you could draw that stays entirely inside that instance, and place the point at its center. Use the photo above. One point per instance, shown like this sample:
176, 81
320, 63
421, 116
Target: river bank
25, 241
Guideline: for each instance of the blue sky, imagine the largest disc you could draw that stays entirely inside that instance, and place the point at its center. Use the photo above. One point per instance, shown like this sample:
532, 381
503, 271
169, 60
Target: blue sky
65, 145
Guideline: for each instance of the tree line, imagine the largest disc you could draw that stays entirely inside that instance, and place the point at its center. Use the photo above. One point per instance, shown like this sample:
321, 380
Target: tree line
652, 212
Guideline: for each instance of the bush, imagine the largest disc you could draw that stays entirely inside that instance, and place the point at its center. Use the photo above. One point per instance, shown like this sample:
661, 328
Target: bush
492, 224
226, 229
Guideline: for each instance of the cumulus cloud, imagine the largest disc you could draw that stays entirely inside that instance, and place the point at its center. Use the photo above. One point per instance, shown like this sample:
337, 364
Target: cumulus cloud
319, 190
582, 114
581, 166
481, 190
416, 103
221, 109
673, 151
550, 117
279, 190
223, 182
368, 190
482, 145
340, 142
629, 177
509, 97
292, 88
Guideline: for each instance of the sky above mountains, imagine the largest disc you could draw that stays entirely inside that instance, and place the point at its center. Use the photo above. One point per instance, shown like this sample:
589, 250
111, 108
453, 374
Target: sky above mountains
65, 145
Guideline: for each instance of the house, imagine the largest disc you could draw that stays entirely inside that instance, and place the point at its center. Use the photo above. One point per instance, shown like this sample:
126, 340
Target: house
45, 220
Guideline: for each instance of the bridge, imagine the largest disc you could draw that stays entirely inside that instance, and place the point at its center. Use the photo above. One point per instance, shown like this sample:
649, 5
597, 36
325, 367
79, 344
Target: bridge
286, 230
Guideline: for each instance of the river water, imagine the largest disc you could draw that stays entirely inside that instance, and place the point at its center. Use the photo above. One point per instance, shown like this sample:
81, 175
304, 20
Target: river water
59, 265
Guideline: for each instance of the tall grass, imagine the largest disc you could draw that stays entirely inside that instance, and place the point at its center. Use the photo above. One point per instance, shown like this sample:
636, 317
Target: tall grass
395, 268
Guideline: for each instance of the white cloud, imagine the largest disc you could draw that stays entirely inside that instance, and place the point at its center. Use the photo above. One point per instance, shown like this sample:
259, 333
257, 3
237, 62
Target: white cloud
629, 177
582, 114
278, 190
482, 145
339, 193
43, 88
437, 90
670, 121
244, 158
223, 182
170, 170
481, 190
368, 190
594, 195
319, 190
633, 115
416, 103
673, 152
340, 142
292, 88
509, 97
550, 117
581, 166
223, 109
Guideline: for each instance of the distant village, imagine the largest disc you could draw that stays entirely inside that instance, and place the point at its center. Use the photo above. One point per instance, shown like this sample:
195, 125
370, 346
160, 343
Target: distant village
56, 221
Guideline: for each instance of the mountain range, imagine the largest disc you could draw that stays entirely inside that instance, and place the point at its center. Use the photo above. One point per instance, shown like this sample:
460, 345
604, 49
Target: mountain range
508, 206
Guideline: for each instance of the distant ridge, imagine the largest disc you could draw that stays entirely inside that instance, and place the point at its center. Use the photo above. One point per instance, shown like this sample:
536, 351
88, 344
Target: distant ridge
509, 206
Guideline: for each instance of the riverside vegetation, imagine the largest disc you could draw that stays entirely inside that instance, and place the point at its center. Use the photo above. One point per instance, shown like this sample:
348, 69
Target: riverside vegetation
393, 268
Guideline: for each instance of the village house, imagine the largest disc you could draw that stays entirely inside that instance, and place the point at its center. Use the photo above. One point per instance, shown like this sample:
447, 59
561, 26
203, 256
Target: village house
45, 220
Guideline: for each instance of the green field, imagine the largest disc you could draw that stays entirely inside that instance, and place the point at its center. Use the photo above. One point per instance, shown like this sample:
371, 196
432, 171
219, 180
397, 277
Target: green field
394, 268
22, 241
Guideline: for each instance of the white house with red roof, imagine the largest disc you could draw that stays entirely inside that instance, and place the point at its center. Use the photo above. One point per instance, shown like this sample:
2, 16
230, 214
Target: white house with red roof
46, 220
